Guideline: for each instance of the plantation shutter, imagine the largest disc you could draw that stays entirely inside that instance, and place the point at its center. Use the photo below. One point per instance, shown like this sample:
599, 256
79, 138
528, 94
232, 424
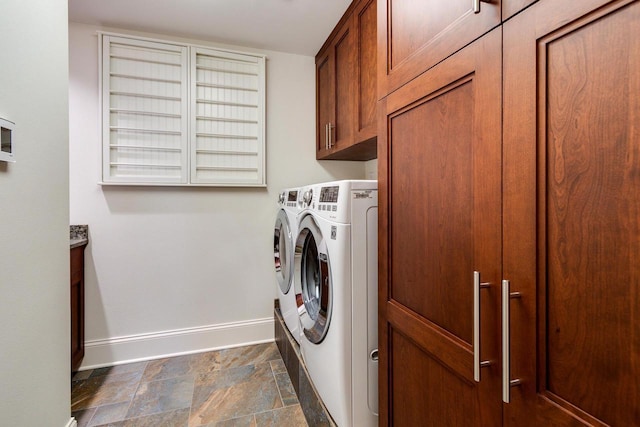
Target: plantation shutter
178, 114
227, 103
144, 111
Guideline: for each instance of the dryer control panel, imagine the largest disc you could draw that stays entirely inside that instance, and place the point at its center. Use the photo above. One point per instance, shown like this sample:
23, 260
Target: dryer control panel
333, 200
329, 194
328, 200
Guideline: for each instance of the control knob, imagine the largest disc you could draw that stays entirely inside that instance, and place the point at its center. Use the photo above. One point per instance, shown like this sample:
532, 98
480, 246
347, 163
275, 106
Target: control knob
281, 198
307, 197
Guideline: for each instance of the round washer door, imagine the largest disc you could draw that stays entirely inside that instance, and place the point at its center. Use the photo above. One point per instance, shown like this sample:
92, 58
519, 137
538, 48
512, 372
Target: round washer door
283, 251
313, 281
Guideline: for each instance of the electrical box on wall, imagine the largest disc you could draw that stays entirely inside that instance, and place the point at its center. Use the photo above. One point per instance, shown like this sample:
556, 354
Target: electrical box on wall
7, 144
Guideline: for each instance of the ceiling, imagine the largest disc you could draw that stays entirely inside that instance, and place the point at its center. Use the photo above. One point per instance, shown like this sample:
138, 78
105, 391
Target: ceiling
293, 26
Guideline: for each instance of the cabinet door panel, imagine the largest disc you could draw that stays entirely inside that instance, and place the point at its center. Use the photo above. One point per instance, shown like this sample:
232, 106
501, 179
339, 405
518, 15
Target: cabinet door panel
414, 35
367, 57
77, 306
342, 134
575, 242
440, 147
436, 386
75, 321
433, 141
325, 102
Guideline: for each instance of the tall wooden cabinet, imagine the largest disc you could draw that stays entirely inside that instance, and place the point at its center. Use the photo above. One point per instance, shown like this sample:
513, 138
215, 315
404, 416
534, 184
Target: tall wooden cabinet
440, 182
571, 221
509, 193
346, 87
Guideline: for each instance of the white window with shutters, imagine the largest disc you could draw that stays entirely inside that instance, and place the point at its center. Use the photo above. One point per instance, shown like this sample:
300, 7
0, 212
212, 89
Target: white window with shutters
176, 114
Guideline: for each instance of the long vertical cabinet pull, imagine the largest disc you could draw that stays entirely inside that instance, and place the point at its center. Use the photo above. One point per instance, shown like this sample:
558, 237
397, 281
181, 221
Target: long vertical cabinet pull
477, 364
329, 129
507, 382
476, 5
326, 136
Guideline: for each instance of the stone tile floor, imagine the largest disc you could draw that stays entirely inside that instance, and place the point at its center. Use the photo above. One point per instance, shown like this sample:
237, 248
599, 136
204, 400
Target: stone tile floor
245, 386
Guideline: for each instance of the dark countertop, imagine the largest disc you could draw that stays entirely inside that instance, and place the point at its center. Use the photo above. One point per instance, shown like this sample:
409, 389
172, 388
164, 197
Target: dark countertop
78, 235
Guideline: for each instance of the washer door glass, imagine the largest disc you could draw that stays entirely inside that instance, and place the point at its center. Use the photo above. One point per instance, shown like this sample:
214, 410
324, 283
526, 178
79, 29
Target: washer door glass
313, 281
283, 252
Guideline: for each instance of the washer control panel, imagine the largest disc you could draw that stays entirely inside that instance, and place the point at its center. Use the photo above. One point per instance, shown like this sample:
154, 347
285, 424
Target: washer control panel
292, 198
288, 198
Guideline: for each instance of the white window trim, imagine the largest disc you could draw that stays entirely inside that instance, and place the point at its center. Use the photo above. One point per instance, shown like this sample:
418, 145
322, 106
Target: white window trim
188, 176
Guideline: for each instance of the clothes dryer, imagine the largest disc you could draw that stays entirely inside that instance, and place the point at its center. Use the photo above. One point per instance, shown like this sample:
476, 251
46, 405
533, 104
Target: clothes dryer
285, 231
336, 271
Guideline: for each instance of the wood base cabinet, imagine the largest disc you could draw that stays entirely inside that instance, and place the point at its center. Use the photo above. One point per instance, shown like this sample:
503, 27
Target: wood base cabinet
77, 306
509, 193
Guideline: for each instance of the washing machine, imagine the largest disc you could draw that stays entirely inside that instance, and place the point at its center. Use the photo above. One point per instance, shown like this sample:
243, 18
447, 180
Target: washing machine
336, 275
285, 231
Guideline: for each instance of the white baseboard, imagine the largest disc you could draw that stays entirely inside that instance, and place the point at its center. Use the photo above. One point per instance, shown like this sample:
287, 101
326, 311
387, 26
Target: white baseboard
155, 345
72, 423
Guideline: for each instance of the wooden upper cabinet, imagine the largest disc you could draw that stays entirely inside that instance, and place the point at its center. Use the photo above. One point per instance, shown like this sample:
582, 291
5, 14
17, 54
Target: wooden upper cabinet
325, 104
334, 89
414, 35
572, 212
346, 87
364, 18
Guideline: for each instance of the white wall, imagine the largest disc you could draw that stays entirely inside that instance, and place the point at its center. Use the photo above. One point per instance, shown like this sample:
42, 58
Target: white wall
371, 169
34, 216
162, 260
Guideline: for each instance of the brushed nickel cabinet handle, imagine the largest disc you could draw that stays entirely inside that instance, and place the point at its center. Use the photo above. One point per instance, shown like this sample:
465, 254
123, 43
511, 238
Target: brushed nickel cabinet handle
477, 364
476, 5
326, 136
507, 382
330, 127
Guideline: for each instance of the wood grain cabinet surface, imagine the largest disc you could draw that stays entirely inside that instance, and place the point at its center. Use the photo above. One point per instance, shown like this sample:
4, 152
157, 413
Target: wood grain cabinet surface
511, 7
571, 217
77, 306
515, 161
415, 35
346, 87
440, 204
